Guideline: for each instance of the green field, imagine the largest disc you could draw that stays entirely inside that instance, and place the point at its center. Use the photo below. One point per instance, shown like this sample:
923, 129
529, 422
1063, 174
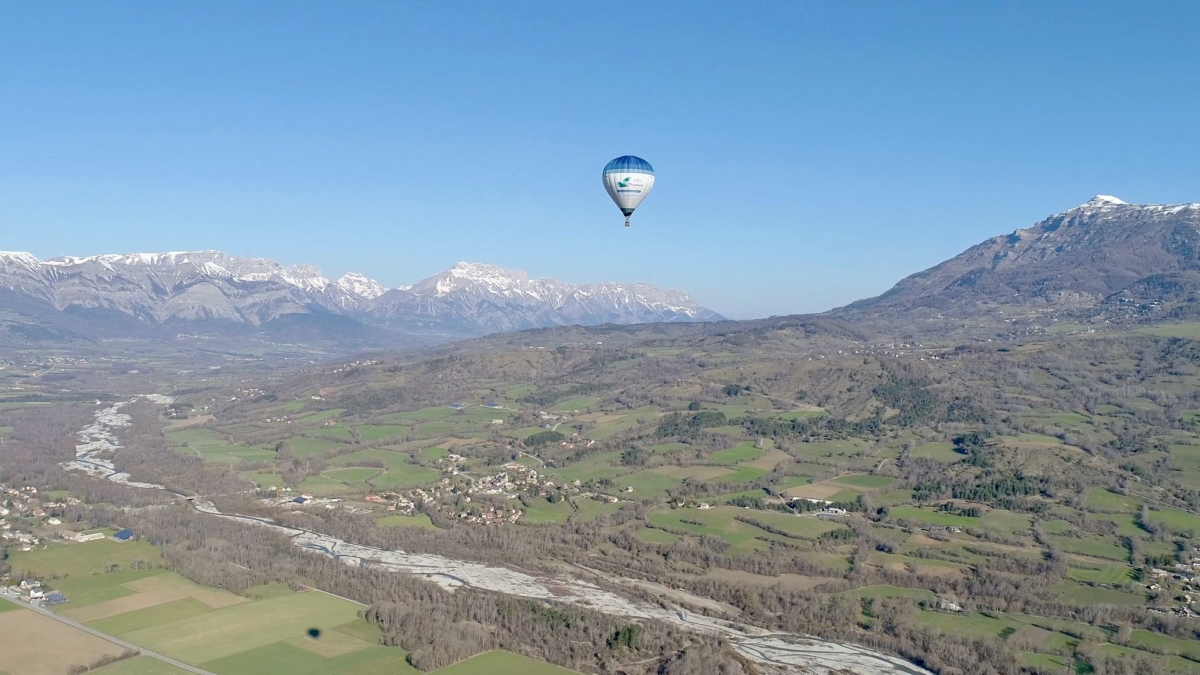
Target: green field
390, 459
1179, 521
740, 453
1091, 544
1100, 499
404, 476
596, 466
1000, 520
590, 509
942, 452
647, 483
1185, 330
239, 628
542, 511
894, 498
321, 416
356, 476
90, 587
334, 653
263, 479
336, 432
1091, 595
865, 481
1044, 662
370, 433
502, 663
1103, 574
69, 559
976, 625
575, 404
1166, 644
151, 616
603, 431
829, 449
321, 486
740, 474
310, 447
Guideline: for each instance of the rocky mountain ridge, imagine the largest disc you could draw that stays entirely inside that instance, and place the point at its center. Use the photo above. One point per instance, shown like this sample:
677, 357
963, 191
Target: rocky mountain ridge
468, 299
1104, 258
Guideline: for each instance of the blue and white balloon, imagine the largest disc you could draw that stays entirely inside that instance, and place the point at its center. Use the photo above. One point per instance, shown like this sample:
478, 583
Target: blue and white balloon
628, 180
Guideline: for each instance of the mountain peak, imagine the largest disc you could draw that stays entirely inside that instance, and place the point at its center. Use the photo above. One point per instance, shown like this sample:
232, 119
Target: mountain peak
1105, 200
18, 256
361, 285
481, 276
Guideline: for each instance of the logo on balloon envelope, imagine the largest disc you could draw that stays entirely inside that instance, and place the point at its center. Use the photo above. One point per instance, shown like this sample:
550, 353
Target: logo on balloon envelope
631, 184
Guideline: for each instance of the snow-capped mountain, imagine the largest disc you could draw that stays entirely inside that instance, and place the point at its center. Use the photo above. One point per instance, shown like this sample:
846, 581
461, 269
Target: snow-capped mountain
1088, 259
496, 300
468, 299
361, 286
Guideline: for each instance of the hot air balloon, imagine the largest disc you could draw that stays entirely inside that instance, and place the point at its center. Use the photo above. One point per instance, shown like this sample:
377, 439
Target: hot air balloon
628, 180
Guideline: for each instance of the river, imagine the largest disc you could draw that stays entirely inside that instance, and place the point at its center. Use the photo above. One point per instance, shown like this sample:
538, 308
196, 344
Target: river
99, 441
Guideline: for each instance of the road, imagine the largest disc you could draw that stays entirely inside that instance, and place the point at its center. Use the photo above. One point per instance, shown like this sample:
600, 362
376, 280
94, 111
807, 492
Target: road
536, 459
117, 641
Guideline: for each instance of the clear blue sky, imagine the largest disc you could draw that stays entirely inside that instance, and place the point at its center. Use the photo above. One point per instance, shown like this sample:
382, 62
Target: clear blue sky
808, 153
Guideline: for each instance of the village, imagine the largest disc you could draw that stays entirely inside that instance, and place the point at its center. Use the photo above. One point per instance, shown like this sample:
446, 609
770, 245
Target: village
29, 520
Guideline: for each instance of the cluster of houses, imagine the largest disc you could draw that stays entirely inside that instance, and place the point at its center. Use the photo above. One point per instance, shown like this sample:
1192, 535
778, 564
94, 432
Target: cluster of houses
491, 515
31, 591
19, 506
1182, 577
352, 365
513, 479
394, 502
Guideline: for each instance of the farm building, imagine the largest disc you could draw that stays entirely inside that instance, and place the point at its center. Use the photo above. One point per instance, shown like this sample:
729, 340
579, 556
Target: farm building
831, 512
55, 598
123, 535
492, 404
90, 537
457, 406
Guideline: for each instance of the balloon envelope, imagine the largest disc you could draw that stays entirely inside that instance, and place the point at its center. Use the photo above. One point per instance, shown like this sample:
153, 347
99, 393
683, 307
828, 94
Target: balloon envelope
628, 180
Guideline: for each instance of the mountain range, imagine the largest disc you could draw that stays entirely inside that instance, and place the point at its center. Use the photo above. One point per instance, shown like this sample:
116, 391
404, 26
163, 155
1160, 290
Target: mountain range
207, 290
1103, 261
